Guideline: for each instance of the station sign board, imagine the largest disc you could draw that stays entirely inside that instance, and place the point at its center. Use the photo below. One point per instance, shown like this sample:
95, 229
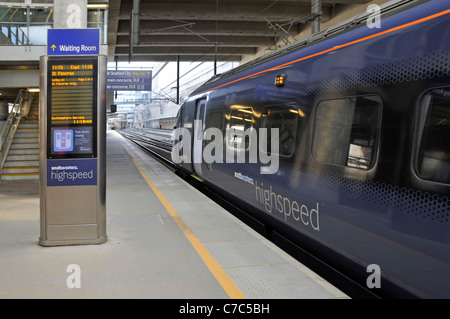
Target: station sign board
129, 80
73, 42
71, 172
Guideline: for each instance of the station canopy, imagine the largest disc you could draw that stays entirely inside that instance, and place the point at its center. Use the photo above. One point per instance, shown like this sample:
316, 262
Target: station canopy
205, 30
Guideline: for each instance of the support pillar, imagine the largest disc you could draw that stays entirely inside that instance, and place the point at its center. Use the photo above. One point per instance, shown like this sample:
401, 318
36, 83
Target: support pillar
316, 8
178, 79
70, 14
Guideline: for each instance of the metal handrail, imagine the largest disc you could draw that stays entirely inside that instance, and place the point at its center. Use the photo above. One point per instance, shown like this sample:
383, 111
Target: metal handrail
17, 37
18, 25
20, 109
24, 31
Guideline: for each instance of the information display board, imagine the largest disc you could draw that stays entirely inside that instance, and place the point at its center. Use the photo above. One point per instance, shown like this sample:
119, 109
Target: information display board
72, 136
72, 108
129, 80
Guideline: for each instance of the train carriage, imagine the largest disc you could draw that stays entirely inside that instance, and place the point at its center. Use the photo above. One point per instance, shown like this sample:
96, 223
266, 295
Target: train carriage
360, 173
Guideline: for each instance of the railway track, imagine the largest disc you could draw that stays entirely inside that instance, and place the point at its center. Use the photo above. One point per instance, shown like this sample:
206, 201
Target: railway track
157, 142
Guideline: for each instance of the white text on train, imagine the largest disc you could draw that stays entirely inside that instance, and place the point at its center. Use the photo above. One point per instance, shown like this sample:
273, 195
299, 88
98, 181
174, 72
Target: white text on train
276, 203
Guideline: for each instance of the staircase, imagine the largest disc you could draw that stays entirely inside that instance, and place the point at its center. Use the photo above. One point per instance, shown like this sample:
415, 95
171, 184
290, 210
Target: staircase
22, 161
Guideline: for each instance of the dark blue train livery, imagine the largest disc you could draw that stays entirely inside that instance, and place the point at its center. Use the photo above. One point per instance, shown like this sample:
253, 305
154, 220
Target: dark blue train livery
363, 172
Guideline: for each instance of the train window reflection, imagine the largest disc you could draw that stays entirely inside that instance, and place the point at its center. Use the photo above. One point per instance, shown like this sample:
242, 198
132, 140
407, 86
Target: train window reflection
216, 120
434, 153
240, 121
284, 118
201, 121
346, 131
186, 121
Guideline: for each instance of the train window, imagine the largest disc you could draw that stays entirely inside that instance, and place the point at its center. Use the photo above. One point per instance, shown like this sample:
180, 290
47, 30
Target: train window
346, 131
284, 118
241, 120
186, 120
179, 118
201, 120
216, 120
433, 161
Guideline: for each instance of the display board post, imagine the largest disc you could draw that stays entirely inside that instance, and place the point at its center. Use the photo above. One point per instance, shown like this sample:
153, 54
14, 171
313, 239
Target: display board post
73, 139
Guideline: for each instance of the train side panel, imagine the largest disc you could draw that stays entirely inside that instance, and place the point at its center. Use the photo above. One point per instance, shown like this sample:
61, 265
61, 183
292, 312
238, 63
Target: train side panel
364, 171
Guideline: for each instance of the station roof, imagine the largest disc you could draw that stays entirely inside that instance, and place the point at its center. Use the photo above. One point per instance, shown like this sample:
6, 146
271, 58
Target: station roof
200, 30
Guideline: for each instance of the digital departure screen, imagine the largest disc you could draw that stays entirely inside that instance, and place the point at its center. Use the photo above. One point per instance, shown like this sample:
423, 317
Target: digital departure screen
72, 108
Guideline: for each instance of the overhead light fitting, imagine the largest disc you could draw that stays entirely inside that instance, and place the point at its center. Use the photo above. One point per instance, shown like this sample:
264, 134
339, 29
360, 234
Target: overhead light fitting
33, 90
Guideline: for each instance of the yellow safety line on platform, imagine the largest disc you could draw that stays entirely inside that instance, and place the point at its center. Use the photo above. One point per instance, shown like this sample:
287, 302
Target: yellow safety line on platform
224, 280
21, 174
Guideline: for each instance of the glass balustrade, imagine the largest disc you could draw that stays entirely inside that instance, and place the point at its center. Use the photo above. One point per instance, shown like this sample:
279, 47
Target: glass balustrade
28, 25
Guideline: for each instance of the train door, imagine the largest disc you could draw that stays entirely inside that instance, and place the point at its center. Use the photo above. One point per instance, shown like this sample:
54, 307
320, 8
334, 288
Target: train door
199, 127
182, 150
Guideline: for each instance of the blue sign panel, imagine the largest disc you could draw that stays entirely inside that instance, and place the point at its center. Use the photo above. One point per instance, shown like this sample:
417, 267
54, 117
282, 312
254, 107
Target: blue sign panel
129, 80
63, 140
71, 172
73, 42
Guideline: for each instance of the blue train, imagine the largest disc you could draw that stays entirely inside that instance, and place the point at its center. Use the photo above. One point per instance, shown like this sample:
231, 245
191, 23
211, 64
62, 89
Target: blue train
359, 173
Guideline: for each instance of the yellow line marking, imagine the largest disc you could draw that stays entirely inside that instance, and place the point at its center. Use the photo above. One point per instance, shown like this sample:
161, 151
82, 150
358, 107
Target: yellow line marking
22, 174
197, 178
224, 280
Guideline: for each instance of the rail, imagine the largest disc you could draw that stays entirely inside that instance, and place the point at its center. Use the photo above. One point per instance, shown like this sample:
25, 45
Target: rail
20, 108
156, 141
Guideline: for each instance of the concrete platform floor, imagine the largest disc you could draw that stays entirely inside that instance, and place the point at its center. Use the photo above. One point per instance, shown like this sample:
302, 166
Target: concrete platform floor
147, 255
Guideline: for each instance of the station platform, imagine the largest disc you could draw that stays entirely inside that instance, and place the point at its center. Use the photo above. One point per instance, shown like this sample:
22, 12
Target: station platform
166, 240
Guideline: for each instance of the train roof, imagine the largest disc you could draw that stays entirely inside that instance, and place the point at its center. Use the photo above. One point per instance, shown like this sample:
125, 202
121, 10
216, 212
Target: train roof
387, 9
